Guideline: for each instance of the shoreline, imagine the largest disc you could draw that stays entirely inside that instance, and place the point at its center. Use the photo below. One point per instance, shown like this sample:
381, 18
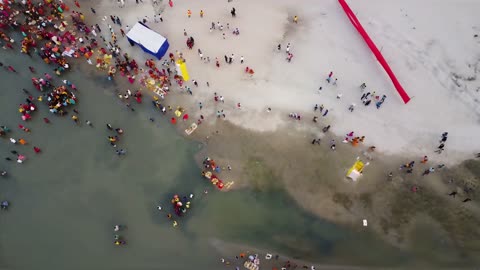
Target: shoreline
338, 212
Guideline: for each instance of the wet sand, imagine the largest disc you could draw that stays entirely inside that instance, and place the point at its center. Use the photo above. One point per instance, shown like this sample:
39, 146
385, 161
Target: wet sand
314, 176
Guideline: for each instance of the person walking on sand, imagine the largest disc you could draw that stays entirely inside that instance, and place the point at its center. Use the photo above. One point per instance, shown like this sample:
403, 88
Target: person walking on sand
444, 138
329, 76
241, 59
189, 13
295, 19
201, 13
428, 171
325, 129
440, 148
325, 113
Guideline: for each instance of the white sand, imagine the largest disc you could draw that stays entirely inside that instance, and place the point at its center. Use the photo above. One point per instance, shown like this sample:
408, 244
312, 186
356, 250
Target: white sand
425, 43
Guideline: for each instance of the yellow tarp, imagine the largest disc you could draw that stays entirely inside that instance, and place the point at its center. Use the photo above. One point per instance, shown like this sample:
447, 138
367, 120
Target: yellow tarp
358, 167
182, 68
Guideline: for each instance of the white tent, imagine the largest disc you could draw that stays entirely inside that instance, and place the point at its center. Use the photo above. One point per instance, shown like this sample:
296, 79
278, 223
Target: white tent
149, 40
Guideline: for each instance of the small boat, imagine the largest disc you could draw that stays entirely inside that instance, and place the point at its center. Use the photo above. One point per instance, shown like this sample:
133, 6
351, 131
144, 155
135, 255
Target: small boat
251, 266
191, 129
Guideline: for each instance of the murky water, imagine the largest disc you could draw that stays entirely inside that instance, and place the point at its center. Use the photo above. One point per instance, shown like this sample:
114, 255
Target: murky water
66, 200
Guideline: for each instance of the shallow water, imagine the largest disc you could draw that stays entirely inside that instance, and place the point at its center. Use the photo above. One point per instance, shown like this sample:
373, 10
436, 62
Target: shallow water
66, 200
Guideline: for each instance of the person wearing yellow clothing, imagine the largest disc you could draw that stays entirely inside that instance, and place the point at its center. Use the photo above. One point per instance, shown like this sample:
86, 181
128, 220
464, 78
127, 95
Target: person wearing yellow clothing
295, 19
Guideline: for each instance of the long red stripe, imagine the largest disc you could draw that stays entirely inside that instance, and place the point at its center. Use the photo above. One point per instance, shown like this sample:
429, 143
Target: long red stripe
375, 51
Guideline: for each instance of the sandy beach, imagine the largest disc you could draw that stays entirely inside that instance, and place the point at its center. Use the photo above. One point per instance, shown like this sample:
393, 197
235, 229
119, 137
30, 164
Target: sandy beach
439, 76
284, 193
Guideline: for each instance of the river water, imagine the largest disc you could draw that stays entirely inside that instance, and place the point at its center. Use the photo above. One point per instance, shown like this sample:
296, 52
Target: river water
66, 200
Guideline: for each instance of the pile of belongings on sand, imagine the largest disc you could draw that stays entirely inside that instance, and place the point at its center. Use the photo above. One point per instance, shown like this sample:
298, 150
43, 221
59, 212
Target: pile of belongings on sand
211, 167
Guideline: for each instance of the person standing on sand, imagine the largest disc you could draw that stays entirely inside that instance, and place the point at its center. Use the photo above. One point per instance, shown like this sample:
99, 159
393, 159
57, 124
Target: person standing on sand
295, 19
352, 107
241, 59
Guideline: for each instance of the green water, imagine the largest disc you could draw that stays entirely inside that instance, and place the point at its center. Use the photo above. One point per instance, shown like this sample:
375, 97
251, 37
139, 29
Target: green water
66, 200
